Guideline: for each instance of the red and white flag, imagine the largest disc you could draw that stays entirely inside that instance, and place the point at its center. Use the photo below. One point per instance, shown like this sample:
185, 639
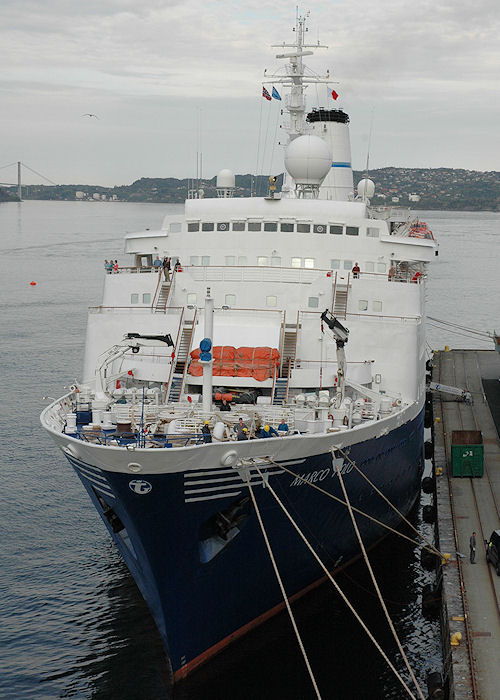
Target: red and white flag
266, 94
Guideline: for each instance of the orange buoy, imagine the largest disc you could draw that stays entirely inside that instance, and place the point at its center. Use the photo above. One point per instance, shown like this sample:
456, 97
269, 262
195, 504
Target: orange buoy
32, 283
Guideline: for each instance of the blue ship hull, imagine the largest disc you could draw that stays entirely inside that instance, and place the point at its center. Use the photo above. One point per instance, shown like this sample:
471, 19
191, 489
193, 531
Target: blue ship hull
207, 578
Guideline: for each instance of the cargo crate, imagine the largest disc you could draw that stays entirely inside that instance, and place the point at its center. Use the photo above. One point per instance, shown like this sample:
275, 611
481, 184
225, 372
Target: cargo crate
467, 453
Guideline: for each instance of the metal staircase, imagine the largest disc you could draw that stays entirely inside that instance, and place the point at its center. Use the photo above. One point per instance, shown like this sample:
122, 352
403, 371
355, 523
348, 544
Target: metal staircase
175, 388
340, 296
280, 391
181, 361
161, 299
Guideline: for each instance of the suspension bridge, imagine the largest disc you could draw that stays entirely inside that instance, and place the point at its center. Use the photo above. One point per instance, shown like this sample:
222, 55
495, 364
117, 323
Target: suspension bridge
21, 165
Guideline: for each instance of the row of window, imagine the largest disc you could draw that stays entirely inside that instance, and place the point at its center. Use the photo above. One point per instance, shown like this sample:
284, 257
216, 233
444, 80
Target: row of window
272, 226
275, 261
272, 301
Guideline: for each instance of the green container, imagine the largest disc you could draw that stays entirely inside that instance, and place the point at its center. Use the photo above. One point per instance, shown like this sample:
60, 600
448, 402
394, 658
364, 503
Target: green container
467, 453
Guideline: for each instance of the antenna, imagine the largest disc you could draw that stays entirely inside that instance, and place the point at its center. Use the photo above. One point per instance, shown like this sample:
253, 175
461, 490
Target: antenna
369, 144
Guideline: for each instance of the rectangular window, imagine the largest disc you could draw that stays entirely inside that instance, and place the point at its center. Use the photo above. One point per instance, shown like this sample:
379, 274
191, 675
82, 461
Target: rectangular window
363, 304
194, 226
309, 263
336, 229
313, 302
276, 261
146, 298
191, 298
254, 226
377, 306
319, 228
335, 264
352, 231
372, 232
230, 299
271, 301
238, 225
175, 227
205, 259
242, 259
380, 267
369, 267
303, 228
270, 226
347, 264
207, 226
194, 260
223, 226
262, 261
296, 262
230, 260
286, 228
134, 298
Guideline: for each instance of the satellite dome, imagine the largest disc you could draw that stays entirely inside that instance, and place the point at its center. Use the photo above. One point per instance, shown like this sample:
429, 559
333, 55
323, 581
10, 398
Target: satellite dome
308, 160
366, 188
225, 179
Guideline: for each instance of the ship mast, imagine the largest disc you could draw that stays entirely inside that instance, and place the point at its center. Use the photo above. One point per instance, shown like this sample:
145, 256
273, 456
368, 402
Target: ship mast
295, 77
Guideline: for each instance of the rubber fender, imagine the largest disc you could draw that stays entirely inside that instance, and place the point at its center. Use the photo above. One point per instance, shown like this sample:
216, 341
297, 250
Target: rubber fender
428, 484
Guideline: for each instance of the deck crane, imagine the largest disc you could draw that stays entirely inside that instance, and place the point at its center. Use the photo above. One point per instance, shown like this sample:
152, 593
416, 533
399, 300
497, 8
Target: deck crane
341, 335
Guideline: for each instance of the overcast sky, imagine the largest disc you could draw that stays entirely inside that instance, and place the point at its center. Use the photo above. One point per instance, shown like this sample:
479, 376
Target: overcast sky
428, 71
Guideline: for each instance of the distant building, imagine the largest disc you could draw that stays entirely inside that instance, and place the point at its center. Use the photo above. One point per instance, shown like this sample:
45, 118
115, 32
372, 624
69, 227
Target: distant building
96, 196
395, 200
80, 195
414, 197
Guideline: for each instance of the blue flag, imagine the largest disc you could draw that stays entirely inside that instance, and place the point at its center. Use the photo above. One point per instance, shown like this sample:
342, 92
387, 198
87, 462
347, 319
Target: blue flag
276, 94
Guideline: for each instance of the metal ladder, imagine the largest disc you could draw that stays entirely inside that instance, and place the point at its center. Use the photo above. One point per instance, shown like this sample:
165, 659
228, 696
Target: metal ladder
181, 361
161, 300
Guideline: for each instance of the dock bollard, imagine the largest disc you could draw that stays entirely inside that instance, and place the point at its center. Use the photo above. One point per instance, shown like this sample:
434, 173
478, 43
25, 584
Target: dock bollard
456, 638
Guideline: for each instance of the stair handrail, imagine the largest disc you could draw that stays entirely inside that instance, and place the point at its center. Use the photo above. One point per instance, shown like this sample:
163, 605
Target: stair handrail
274, 385
347, 294
170, 286
174, 359
282, 344
294, 357
334, 292
188, 350
157, 290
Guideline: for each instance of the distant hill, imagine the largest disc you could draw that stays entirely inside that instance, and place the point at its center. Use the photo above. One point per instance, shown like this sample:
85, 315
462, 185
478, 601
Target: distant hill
423, 188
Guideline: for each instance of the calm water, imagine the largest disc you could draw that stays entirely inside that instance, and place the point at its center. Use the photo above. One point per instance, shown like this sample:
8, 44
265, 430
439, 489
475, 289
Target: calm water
72, 623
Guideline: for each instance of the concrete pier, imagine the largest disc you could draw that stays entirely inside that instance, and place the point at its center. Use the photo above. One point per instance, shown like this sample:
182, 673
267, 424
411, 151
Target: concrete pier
470, 592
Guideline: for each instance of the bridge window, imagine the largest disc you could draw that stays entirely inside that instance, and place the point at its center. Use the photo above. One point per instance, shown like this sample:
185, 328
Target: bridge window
372, 232
352, 231
191, 298
286, 228
313, 302
207, 226
369, 267
319, 228
303, 228
347, 264
276, 261
270, 226
381, 267
377, 306
336, 229
205, 260
254, 226
230, 260
175, 227
296, 262
363, 305
194, 260
335, 264
309, 263
134, 298
230, 299
195, 226
262, 261
271, 301
146, 298
242, 259
223, 226
238, 225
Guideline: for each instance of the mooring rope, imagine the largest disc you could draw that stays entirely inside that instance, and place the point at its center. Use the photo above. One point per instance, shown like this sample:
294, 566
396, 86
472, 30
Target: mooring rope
432, 549
336, 586
374, 580
283, 592
429, 544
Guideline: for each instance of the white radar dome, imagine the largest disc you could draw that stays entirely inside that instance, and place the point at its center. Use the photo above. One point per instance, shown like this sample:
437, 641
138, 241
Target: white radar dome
225, 179
366, 188
308, 160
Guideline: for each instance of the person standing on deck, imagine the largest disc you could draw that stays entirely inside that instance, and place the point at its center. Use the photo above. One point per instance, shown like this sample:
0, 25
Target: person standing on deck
166, 269
472, 545
355, 271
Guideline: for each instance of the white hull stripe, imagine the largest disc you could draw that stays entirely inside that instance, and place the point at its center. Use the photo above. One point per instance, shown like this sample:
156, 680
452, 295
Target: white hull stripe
92, 474
211, 498
81, 470
225, 479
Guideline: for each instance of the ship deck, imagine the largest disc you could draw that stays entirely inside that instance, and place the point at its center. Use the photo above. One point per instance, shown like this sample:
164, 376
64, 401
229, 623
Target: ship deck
471, 593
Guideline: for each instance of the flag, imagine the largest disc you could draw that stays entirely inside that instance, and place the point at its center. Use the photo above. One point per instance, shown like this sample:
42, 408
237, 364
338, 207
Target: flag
266, 94
276, 94
334, 94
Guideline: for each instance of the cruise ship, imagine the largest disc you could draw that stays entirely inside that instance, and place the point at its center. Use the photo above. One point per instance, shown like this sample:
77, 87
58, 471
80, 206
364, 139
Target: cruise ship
255, 347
